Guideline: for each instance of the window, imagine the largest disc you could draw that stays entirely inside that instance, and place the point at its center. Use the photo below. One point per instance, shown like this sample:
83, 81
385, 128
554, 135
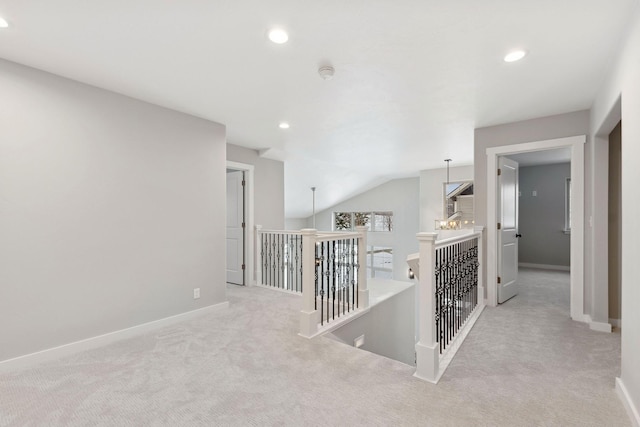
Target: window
567, 206
374, 221
380, 262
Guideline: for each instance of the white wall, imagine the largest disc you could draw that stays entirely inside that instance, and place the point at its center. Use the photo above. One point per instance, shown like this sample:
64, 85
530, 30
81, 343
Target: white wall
432, 192
110, 211
401, 196
296, 223
268, 184
623, 83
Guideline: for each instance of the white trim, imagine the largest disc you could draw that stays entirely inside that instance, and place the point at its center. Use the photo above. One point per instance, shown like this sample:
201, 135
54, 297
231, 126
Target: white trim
616, 323
101, 340
544, 266
250, 274
576, 143
596, 326
600, 327
632, 411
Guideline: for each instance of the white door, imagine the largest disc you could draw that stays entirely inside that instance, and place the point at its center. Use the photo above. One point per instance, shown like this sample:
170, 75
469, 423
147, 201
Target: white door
507, 229
235, 227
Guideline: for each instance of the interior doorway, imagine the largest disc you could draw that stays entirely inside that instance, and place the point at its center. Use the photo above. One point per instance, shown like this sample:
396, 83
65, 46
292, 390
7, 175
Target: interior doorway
541, 237
615, 226
576, 148
235, 227
239, 230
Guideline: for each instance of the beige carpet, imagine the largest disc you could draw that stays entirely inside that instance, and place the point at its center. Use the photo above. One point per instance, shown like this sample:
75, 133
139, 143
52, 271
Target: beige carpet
524, 364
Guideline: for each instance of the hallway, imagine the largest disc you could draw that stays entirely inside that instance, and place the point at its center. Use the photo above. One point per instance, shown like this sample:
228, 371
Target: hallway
525, 363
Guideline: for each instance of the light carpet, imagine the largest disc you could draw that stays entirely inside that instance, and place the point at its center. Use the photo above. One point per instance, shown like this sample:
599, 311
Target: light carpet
525, 363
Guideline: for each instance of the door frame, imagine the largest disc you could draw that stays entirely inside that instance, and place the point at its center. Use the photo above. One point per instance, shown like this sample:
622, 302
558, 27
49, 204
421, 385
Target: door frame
249, 222
576, 144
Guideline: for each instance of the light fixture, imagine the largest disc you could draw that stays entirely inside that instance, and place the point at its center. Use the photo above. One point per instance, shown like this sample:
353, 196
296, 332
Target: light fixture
278, 35
313, 189
514, 56
451, 223
3, 23
284, 125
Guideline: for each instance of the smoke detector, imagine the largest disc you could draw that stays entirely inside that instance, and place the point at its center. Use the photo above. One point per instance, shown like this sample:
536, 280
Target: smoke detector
326, 72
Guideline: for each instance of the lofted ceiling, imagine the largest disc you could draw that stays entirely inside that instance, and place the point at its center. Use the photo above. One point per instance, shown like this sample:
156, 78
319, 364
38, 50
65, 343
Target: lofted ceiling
413, 78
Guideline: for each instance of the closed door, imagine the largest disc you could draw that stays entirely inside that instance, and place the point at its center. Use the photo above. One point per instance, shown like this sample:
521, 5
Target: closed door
508, 229
235, 227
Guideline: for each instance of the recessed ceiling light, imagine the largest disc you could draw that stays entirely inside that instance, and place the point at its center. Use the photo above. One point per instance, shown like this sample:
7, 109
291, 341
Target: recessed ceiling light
3, 23
284, 125
278, 35
514, 56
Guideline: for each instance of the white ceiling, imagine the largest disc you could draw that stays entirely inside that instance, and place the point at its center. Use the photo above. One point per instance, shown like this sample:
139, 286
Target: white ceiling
413, 77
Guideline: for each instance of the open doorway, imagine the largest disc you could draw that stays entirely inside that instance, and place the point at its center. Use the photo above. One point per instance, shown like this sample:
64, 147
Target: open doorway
535, 231
544, 214
236, 227
615, 226
576, 207
239, 231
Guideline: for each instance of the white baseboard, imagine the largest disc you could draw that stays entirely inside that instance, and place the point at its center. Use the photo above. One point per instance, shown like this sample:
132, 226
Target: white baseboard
628, 404
101, 340
545, 266
617, 323
597, 326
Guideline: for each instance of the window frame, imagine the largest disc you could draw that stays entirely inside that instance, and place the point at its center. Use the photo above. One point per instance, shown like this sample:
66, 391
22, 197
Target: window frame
371, 220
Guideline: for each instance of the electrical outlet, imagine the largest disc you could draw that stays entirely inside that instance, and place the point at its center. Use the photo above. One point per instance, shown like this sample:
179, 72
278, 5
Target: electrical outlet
196, 293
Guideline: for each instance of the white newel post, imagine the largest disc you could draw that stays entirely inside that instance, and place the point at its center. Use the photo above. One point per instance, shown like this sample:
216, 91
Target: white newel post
481, 296
309, 315
363, 290
258, 254
427, 350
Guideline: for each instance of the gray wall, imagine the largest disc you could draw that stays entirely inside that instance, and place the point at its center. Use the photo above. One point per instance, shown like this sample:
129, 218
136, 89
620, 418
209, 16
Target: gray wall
110, 211
541, 217
269, 186
562, 125
389, 328
615, 222
622, 86
432, 192
401, 196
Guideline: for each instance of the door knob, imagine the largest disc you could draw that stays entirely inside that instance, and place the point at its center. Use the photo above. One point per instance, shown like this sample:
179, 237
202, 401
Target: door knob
518, 235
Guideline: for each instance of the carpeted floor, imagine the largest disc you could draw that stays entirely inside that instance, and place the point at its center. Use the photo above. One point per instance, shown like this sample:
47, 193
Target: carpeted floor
524, 364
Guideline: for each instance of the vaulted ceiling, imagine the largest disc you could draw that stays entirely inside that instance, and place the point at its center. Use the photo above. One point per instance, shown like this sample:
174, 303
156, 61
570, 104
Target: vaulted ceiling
413, 78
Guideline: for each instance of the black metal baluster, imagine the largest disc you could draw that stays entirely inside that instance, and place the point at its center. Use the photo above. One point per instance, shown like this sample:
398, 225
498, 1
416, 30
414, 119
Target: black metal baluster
298, 263
450, 302
437, 296
320, 281
328, 274
333, 280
